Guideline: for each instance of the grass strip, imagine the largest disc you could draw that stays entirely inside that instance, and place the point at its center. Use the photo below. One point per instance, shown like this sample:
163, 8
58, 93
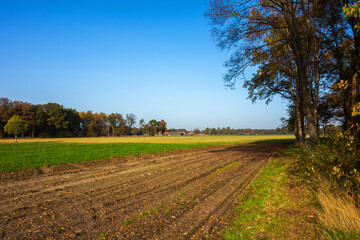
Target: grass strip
270, 209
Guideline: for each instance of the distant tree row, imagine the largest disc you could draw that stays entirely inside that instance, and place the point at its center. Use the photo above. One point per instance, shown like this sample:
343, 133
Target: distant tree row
54, 120
243, 131
231, 131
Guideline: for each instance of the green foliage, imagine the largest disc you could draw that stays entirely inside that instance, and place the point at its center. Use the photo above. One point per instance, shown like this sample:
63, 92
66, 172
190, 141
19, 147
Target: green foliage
335, 159
153, 127
15, 125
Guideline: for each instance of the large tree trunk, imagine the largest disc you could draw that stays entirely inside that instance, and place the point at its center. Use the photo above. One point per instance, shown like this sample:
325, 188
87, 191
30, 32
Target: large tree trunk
308, 109
113, 130
316, 91
299, 125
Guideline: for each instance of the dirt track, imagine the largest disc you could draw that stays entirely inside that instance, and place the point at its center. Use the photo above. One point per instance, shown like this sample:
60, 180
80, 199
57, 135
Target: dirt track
173, 195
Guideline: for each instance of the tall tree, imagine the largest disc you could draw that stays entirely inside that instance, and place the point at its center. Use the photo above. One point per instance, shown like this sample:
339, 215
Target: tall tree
130, 121
6, 111
142, 125
351, 11
38, 120
116, 120
258, 31
153, 127
55, 118
86, 119
162, 126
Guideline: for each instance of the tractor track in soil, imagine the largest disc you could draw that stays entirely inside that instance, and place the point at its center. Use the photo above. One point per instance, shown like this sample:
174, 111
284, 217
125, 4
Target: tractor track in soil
183, 194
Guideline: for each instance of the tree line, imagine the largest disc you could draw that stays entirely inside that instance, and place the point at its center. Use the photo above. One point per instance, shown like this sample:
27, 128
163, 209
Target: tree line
307, 52
243, 131
54, 120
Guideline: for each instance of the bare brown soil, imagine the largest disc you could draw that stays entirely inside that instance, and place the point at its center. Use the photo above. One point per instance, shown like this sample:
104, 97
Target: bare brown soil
184, 194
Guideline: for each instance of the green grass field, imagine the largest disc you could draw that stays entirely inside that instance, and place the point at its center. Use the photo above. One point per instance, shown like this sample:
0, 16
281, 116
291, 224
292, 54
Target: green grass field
34, 153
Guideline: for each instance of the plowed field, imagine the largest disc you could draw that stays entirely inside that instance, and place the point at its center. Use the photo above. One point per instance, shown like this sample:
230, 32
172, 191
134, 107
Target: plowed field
184, 194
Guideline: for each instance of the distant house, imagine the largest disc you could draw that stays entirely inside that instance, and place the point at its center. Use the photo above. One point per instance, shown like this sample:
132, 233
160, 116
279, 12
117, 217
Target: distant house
166, 134
191, 133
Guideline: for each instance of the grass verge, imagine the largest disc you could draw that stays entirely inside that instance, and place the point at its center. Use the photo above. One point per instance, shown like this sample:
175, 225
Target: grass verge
276, 205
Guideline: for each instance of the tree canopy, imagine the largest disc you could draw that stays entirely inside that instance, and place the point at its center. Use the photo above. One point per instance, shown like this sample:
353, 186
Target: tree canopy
15, 126
54, 120
298, 48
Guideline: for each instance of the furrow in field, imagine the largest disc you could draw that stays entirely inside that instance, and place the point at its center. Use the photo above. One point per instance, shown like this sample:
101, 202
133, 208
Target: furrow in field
132, 173
203, 200
100, 197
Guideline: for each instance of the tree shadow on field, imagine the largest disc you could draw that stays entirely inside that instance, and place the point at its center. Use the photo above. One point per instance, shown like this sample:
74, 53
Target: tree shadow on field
270, 145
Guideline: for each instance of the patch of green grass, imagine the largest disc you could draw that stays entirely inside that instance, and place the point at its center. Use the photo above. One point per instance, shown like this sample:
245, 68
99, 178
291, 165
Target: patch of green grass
143, 214
103, 236
35, 154
14, 157
252, 220
227, 166
277, 205
129, 221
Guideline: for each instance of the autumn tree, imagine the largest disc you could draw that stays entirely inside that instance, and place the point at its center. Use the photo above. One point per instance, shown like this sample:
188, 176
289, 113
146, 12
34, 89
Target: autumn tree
347, 56
116, 120
74, 122
152, 127
260, 33
197, 131
6, 112
130, 120
207, 130
162, 126
55, 118
86, 119
15, 126
38, 120
23, 109
142, 125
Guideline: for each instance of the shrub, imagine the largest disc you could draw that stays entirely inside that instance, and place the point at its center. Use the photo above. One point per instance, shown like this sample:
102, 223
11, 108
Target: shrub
334, 159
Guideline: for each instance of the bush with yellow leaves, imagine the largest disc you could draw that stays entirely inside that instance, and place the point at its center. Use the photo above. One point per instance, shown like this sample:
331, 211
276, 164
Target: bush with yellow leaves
335, 159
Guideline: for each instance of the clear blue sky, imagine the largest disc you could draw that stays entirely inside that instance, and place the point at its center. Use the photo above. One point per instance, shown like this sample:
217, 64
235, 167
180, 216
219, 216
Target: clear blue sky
153, 58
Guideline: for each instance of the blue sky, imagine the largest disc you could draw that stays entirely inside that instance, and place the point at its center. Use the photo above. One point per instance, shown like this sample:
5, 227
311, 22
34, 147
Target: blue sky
155, 59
